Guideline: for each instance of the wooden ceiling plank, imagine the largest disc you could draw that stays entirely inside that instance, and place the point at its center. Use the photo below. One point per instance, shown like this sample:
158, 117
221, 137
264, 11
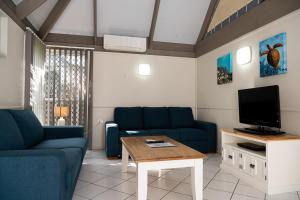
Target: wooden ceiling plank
52, 18
251, 21
26, 7
153, 23
207, 20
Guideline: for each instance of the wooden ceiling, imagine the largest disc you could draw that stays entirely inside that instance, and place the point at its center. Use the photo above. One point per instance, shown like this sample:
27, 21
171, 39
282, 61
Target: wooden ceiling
173, 27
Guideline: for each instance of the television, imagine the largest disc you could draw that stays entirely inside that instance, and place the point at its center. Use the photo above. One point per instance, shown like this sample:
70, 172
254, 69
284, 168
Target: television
260, 106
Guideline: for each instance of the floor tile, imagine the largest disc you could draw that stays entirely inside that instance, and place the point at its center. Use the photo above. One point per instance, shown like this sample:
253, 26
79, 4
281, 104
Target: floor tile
80, 184
150, 179
111, 195
126, 187
90, 191
124, 176
222, 186
165, 184
156, 193
222, 176
109, 182
249, 191
285, 196
176, 175
183, 188
176, 196
75, 197
90, 177
210, 194
209, 175
241, 197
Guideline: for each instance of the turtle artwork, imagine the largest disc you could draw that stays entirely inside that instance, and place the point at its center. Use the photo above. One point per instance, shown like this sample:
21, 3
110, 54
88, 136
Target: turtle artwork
273, 55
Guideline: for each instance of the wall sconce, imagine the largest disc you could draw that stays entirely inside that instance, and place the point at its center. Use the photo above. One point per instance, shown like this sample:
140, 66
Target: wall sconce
144, 70
243, 55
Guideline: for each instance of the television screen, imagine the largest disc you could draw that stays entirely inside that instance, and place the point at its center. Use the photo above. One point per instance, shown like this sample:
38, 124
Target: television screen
260, 106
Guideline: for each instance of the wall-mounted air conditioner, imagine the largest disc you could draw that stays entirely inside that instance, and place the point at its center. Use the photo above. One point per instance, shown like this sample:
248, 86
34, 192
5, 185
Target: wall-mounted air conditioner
3, 34
123, 43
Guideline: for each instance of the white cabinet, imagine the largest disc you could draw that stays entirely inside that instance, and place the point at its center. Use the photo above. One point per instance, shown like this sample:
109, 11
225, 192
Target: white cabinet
274, 171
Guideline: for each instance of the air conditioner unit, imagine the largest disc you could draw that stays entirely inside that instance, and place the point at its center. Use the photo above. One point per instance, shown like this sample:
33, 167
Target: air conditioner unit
123, 43
3, 34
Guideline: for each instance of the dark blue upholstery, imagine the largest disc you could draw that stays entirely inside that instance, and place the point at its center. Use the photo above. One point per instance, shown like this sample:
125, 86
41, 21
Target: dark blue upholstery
10, 136
129, 118
156, 118
201, 136
181, 117
29, 125
48, 170
172, 133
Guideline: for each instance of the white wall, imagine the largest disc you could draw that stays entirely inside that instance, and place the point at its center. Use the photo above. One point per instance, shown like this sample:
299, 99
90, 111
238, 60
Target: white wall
218, 103
11, 68
117, 83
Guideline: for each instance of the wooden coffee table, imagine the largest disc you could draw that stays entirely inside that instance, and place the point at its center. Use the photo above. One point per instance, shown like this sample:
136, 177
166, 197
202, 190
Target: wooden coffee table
147, 158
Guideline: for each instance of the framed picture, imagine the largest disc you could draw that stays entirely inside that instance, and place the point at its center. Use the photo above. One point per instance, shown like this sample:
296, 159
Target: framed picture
224, 64
273, 56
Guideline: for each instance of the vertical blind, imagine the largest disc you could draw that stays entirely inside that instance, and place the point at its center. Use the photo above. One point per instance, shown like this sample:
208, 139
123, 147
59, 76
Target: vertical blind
66, 84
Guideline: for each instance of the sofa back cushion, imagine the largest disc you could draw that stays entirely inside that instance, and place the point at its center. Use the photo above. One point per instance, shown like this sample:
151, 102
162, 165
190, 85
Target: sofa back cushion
181, 117
129, 118
156, 118
10, 136
29, 125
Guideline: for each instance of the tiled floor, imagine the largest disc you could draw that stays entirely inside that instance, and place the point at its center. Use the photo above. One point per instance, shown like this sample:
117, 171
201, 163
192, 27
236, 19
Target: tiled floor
101, 179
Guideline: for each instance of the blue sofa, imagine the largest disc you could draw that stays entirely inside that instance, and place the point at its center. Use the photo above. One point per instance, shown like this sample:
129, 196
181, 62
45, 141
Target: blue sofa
175, 122
38, 163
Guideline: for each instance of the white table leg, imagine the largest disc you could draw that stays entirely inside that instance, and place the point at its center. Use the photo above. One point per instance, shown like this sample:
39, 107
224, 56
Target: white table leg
197, 179
142, 182
124, 159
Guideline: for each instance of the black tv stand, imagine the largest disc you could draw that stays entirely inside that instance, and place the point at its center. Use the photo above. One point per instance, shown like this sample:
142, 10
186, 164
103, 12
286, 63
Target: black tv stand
260, 131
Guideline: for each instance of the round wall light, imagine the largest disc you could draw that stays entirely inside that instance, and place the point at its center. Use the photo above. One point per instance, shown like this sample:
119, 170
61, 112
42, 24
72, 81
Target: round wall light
243, 55
144, 70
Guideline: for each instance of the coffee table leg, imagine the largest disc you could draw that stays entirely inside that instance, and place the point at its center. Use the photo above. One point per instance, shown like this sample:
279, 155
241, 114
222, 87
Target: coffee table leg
197, 179
124, 159
142, 182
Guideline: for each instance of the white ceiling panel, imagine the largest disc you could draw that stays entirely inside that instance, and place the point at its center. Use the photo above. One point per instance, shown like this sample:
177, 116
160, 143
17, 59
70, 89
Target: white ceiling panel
77, 19
180, 21
38, 16
125, 17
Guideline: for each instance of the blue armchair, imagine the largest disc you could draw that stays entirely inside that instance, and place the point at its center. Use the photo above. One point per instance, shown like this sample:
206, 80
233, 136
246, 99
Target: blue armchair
175, 122
38, 162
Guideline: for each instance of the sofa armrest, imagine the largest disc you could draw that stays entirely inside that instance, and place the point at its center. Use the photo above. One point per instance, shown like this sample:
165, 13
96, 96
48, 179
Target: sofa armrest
211, 129
111, 139
58, 132
32, 174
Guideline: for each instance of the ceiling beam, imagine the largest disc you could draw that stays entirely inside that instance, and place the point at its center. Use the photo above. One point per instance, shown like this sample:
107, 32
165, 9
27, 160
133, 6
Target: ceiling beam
11, 13
159, 48
26, 7
207, 20
252, 20
153, 23
95, 21
52, 18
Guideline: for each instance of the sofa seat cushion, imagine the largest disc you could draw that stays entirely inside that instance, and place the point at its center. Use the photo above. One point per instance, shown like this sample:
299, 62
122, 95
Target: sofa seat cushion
192, 134
201, 146
134, 133
73, 161
171, 133
156, 118
29, 125
10, 135
181, 117
130, 118
63, 143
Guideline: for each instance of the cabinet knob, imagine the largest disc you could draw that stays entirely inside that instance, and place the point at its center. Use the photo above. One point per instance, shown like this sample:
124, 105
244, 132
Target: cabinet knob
252, 166
230, 156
